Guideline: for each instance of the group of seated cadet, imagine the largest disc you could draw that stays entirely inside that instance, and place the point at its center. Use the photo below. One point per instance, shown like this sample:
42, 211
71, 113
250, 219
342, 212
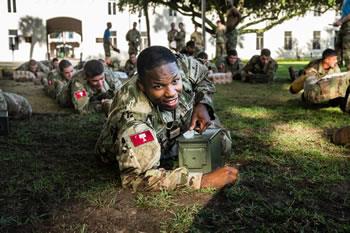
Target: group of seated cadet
260, 68
323, 83
58, 79
88, 90
169, 95
31, 71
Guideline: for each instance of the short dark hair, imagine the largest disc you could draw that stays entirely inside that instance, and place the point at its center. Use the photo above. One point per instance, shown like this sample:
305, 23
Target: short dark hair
232, 52
202, 55
54, 59
64, 64
191, 44
93, 68
153, 57
328, 53
265, 52
32, 62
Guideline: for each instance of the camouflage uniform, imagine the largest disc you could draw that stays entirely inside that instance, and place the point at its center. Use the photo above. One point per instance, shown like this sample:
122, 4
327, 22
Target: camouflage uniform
235, 69
318, 88
17, 106
343, 44
141, 137
260, 73
180, 40
130, 68
197, 37
171, 38
79, 95
220, 41
134, 38
23, 74
231, 39
54, 83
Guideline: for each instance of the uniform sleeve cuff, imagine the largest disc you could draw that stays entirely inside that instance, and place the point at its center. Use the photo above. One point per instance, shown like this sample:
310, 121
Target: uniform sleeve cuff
194, 180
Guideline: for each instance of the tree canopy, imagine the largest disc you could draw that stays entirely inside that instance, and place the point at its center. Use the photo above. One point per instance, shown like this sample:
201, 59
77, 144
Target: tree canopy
268, 12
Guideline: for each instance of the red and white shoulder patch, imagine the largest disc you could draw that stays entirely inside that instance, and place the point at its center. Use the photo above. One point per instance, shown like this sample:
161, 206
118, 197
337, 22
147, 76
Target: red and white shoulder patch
141, 138
80, 94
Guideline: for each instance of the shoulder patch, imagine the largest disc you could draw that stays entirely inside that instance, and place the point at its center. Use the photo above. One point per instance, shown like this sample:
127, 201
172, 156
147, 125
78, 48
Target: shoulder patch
80, 94
141, 138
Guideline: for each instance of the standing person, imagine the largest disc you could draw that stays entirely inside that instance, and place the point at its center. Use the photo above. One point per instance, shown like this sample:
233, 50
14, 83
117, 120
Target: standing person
220, 38
180, 37
134, 38
107, 42
342, 45
233, 17
197, 37
168, 96
171, 36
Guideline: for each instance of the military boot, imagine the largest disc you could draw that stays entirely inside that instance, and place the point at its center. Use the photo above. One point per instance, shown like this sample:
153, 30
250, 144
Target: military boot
345, 105
341, 136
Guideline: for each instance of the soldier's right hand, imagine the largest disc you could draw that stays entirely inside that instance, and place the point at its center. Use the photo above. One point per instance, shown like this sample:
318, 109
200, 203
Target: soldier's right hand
219, 178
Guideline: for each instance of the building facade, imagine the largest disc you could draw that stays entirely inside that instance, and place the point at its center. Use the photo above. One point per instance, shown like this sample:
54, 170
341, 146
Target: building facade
84, 21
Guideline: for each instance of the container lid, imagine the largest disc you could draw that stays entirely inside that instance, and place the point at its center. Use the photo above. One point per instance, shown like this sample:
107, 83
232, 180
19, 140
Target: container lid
207, 135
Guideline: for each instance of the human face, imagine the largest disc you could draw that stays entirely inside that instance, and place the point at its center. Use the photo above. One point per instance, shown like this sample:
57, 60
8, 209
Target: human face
331, 61
68, 72
33, 68
96, 83
232, 59
55, 64
133, 58
264, 59
162, 85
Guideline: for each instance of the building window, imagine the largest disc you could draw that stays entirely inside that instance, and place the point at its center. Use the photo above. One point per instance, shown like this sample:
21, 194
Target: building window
318, 11
70, 35
288, 40
13, 39
114, 38
11, 6
112, 7
172, 12
316, 42
259, 41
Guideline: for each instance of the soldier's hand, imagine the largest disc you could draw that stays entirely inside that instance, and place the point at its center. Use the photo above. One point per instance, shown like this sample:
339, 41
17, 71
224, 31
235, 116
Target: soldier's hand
200, 118
219, 178
337, 23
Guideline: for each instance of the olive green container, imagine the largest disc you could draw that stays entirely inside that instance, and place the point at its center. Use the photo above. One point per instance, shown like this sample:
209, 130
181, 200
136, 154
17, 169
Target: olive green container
203, 152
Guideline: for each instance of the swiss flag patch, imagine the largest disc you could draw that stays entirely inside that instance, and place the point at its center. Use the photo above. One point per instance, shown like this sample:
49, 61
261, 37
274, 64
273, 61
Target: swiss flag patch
79, 94
141, 138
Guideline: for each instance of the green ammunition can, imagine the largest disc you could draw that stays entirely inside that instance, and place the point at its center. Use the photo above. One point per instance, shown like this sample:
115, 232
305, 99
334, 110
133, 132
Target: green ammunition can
202, 152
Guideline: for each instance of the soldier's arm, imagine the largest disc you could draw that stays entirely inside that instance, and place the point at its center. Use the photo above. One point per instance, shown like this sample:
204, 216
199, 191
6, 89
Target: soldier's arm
271, 69
298, 84
81, 100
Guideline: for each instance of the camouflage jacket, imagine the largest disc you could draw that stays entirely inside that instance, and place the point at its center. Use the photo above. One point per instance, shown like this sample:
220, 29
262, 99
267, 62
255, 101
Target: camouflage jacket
197, 37
133, 36
137, 134
130, 68
314, 69
17, 106
54, 83
255, 66
41, 67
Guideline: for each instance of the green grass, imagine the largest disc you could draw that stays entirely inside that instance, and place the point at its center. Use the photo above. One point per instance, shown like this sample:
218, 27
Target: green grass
292, 179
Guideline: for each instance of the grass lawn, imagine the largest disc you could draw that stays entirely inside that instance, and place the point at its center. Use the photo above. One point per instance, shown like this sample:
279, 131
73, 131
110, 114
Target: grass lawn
292, 179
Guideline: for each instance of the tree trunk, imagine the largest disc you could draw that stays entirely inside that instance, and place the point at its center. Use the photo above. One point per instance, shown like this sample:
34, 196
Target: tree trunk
32, 44
145, 10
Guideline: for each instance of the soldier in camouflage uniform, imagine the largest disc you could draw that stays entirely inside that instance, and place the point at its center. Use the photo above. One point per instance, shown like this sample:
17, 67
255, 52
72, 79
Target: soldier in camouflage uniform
17, 106
168, 96
203, 58
220, 39
88, 91
52, 65
197, 37
233, 17
320, 90
130, 65
58, 79
180, 37
342, 45
231, 63
134, 38
31, 71
260, 68
171, 36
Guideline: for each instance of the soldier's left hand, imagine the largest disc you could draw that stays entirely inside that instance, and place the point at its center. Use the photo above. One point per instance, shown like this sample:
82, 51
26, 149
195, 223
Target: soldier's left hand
200, 118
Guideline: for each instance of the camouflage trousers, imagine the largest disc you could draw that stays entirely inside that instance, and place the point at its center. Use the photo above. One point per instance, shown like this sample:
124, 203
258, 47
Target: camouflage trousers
17, 106
318, 91
220, 49
133, 48
342, 45
231, 40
